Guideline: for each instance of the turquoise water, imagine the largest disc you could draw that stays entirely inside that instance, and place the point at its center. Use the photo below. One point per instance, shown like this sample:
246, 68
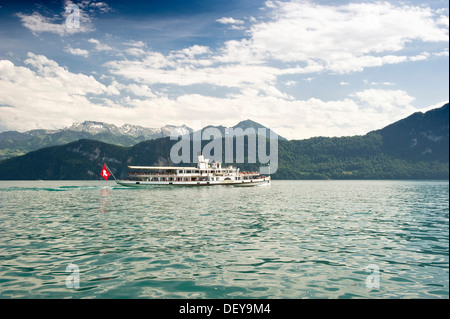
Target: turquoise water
292, 239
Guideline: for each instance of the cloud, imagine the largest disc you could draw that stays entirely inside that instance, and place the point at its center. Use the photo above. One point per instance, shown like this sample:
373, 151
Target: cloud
72, 20
235, 24
77, 51
443, 53
140, 90
290, 83
138, 48
196, 50
133, 43
296, 38
90, 6
379, 83
103, 7
225, 20
43, 94
242, 78
443, 20
100, 46
38, 23
182, 68
420, 57
384, 100
135, 51
63, 24
343, 38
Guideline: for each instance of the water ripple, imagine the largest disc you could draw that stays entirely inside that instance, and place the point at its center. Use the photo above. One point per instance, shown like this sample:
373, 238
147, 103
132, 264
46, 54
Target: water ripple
300, 239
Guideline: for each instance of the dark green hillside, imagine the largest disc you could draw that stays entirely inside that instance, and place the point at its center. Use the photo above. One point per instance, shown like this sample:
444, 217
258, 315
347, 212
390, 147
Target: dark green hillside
74, 161
421, 136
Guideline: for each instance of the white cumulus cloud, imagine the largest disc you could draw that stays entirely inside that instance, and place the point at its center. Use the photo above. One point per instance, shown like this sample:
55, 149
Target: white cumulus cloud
100, 46
43, 94
77, 51
341, 38
229, 20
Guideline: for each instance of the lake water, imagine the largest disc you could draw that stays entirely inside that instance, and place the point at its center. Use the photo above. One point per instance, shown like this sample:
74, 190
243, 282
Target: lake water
292, 239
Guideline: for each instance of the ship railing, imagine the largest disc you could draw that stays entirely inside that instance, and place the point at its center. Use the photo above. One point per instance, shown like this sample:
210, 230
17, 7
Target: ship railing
248, 173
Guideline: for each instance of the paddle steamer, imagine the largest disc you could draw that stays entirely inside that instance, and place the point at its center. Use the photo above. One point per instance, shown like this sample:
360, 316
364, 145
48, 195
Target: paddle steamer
205, 174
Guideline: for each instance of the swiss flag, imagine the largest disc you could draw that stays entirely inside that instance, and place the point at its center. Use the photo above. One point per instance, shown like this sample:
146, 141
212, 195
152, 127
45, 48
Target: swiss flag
105, 173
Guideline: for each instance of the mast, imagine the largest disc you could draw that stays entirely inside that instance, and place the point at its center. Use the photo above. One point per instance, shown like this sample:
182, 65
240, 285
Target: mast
110, 172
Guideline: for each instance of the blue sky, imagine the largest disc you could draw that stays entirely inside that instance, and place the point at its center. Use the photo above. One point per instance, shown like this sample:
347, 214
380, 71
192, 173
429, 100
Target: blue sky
303, 68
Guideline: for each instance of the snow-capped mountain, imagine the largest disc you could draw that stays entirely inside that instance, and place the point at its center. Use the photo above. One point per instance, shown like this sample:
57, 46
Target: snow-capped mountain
14, 143
94, 127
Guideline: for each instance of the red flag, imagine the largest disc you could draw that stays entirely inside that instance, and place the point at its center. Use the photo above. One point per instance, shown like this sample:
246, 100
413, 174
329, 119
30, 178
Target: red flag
105, 173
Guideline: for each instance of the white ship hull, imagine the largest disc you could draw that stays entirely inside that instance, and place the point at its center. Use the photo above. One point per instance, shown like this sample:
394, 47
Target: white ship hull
241, 183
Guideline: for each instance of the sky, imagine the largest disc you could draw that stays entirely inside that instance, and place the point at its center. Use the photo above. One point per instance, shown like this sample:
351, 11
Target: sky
302, 68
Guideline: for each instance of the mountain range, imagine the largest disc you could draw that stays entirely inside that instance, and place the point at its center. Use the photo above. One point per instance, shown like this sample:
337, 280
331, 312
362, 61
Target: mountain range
416, 147
13, 143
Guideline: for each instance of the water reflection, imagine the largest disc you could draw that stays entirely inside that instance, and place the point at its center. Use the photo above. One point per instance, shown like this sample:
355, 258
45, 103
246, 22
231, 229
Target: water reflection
104, 199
